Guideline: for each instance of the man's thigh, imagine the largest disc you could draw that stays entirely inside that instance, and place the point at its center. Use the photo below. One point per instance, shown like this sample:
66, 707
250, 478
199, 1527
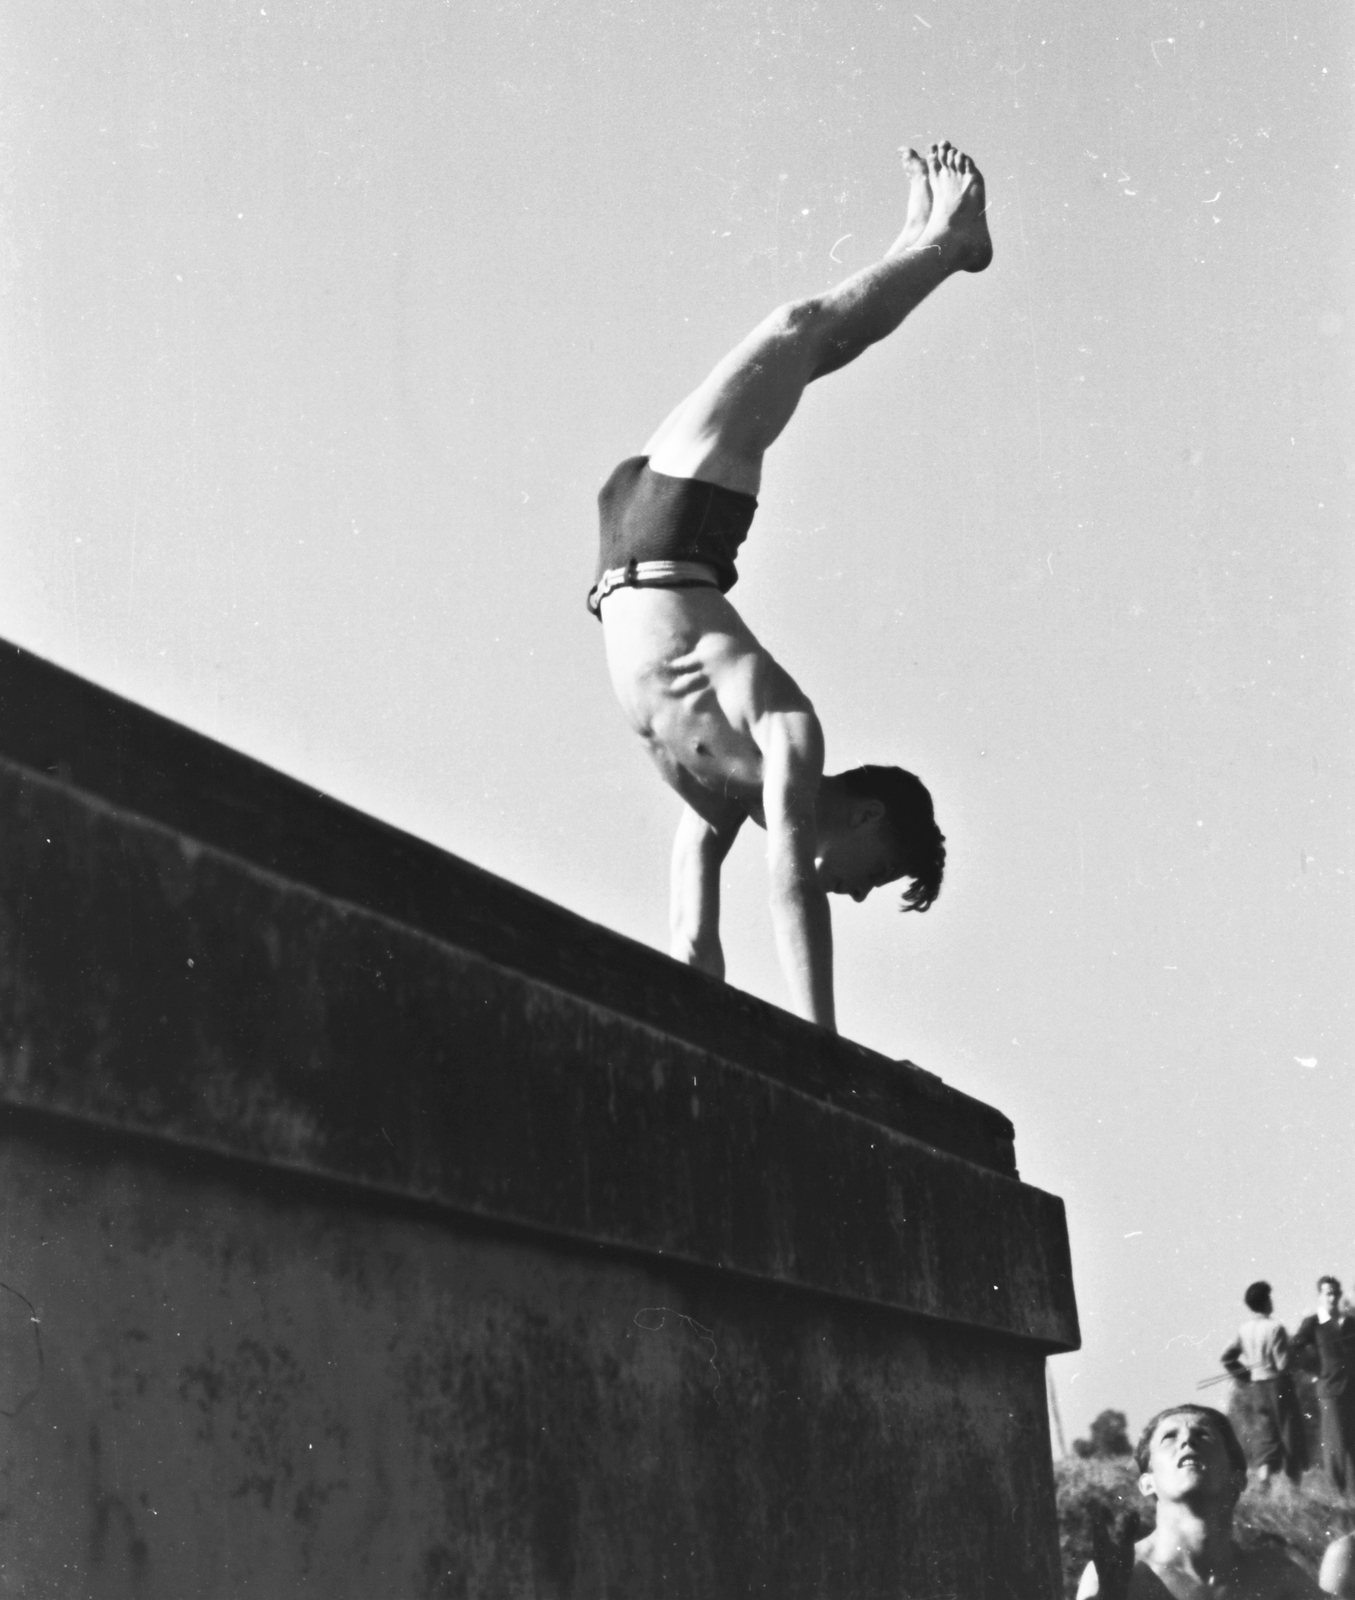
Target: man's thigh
722, 429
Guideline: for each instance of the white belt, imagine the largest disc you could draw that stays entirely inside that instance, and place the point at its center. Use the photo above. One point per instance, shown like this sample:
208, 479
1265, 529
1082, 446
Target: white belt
652, 575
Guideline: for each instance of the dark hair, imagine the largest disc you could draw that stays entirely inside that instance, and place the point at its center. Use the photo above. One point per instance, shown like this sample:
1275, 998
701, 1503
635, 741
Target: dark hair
1257, 1297
911, 822
1236, 1457
1327, 1278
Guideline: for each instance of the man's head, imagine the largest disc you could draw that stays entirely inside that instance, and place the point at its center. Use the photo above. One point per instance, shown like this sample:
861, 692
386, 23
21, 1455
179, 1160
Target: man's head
1329, 1293
1258, 1299
1191, 1451
877, 824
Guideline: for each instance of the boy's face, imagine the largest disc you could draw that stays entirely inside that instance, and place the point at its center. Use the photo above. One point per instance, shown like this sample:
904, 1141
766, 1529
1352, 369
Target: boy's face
1188, 1457
855, 856
1329, 1297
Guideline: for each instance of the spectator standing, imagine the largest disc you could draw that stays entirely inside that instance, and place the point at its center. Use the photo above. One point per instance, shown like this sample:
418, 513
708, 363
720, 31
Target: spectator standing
1258, 1360
1325, 1343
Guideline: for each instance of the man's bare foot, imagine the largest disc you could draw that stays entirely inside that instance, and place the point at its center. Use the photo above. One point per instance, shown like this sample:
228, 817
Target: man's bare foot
958, 224
919, 202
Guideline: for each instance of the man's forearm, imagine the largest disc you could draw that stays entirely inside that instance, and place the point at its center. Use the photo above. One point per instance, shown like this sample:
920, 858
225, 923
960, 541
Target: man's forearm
701, 950
694, 904
803, 928
791, 742
694, 926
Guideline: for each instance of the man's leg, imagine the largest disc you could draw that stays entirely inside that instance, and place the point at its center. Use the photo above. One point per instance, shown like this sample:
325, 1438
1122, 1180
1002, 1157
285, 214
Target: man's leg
722, 429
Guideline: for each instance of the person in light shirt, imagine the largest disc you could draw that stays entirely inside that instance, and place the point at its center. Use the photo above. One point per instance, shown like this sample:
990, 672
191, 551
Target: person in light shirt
1258, 1361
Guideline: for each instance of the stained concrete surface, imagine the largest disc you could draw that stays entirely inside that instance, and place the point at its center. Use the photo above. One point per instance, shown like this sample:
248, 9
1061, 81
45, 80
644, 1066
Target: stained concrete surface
181, 991
249, 1388
56, 725
368, 1226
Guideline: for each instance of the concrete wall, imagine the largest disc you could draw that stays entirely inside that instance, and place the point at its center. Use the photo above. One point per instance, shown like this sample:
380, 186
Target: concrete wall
373, 1227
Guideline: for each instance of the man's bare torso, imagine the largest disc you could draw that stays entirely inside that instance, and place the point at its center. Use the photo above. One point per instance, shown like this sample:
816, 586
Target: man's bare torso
697, 687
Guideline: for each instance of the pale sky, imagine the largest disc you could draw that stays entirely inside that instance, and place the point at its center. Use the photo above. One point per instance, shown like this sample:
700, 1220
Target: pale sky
324, 322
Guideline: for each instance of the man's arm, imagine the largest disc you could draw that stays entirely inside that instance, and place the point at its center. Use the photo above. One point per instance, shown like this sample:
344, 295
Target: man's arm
1337, 1574
699, 851
792, 767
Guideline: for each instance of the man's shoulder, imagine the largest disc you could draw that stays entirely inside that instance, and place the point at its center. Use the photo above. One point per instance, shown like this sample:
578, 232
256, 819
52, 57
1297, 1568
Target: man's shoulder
1270, 1574
773, 691
786, 729
1141, 1583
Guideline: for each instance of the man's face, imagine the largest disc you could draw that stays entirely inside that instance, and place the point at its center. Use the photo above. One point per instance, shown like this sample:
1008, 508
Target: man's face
1188, 1457
855, 857
1328, 1298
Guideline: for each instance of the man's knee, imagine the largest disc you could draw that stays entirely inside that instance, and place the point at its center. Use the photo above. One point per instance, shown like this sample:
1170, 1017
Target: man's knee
798, 320
802, 335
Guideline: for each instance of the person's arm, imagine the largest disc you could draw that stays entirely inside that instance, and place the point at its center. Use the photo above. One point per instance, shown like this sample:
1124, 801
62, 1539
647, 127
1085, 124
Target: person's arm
792, 767
1301, 1351
1337, 1573
699, 850
1110, 1574
1233, 1363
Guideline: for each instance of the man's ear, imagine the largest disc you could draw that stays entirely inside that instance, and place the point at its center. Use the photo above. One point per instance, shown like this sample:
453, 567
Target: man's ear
1147, 1488
866, 810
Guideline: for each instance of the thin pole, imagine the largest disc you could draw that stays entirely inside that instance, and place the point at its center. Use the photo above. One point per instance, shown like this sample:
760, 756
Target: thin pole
1054, 1411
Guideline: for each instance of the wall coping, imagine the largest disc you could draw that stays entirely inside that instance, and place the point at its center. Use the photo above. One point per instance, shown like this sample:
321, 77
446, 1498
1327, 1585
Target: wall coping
63, 727
160, 987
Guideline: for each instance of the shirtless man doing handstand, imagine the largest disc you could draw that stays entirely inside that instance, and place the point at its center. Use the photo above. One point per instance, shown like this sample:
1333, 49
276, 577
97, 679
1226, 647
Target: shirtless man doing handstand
727, 727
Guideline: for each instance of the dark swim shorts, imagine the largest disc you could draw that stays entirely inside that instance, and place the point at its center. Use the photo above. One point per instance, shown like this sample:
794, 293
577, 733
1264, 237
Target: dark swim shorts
667, 532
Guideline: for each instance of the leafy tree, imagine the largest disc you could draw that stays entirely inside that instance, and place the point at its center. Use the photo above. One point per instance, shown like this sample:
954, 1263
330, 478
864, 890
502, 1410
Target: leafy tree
1108, 1437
